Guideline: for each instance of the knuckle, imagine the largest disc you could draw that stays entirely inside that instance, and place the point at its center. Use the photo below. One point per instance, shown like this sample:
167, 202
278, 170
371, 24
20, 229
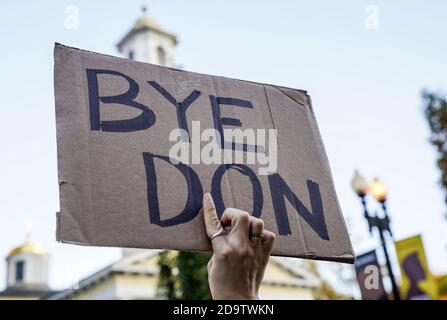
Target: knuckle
244, 216
270, 236
229, 211
259, 223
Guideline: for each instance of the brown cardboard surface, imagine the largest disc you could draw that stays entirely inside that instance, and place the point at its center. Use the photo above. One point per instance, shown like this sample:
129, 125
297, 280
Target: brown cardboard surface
107, 191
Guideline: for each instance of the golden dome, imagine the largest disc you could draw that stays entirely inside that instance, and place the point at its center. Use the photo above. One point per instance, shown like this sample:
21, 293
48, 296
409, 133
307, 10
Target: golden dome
29, 247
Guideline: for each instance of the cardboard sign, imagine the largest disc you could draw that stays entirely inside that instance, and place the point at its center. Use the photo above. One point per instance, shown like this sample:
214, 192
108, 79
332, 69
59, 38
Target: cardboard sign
139, 144
369, 277
417, 281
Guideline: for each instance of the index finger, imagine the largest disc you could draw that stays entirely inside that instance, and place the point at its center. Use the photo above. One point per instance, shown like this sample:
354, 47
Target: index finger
212, 222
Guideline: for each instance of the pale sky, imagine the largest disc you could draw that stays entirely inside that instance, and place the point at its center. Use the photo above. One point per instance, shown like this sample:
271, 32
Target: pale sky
365, 87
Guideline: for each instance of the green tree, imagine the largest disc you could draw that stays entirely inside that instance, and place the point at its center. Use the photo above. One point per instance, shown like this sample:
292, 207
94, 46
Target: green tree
183, 275
435, 108
166, 279
193, 275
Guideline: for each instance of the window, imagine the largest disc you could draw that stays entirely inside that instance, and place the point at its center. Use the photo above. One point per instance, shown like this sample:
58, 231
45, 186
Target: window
20, 271
161, 56
131, 55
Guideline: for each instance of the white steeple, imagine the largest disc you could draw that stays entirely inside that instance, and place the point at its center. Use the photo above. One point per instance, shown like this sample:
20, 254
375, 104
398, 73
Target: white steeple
148, 42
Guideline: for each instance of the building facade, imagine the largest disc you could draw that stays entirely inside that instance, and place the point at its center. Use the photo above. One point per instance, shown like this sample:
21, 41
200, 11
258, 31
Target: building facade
135, 277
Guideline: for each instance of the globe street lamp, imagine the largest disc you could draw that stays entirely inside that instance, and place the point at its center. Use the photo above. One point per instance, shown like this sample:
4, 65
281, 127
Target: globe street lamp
378, 190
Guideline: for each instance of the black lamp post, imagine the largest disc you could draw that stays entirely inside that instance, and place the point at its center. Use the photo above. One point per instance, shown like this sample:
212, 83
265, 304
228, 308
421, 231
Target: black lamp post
379, 192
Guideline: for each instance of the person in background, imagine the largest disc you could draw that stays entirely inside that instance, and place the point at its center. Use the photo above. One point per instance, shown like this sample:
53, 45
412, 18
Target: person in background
236, 269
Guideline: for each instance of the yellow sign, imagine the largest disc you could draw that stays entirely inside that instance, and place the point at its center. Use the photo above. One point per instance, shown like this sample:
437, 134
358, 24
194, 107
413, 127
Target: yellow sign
417, 281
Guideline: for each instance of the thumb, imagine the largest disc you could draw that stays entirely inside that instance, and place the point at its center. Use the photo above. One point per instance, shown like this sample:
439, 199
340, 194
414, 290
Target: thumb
212, 222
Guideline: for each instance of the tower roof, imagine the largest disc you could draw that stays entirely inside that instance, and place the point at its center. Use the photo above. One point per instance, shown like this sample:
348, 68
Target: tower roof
145, 23
29, 247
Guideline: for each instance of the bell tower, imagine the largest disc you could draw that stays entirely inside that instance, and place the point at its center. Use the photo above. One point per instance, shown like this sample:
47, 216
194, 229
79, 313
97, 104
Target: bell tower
146, 41
27, 264
27, 270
